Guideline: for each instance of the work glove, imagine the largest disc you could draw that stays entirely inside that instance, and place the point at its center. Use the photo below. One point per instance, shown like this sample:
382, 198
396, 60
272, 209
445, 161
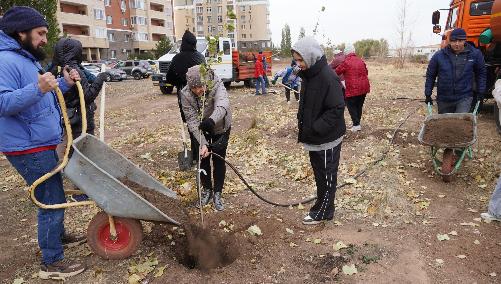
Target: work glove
274, 81
428, 100
207, 125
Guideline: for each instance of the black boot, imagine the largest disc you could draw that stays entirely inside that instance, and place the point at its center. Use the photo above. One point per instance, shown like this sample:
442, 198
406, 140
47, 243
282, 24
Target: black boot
218, 202
206, 196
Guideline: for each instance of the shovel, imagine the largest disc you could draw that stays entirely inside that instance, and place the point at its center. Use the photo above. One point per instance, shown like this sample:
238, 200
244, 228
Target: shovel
184, 158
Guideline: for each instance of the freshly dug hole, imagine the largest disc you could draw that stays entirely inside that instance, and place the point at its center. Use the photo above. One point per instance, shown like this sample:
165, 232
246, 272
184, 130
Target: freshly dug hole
198, 247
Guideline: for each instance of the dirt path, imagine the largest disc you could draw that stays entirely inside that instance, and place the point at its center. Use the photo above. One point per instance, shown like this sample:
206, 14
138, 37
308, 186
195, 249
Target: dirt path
390, 219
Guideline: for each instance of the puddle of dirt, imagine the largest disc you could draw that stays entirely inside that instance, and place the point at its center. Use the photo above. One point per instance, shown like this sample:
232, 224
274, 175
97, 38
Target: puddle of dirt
195, 247
451, 131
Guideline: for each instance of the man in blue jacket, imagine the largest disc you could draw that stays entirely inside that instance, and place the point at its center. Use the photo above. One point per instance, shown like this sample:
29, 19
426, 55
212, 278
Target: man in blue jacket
30, 126
458, 67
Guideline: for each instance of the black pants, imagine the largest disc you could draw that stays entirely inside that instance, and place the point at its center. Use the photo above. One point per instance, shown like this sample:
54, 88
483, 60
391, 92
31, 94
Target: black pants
218, 168
325, 165
288, 94
355, 106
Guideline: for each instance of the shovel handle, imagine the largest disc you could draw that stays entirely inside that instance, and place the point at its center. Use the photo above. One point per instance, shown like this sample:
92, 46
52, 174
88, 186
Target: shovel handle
183, 135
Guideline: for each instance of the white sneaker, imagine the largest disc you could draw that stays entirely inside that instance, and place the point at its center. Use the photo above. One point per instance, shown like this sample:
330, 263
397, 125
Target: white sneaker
356, 128
288, 102
488, 217
310, 221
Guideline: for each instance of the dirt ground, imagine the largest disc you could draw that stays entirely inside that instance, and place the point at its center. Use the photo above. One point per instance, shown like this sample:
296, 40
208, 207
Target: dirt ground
397, 223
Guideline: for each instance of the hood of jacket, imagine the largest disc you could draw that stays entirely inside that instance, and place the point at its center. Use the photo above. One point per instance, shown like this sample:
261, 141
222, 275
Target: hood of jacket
8, 43
189, 42
309, 49
67, 51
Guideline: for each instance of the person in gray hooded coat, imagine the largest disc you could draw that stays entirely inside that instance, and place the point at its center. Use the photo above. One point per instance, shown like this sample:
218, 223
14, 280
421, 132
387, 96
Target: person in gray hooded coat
321, 124
215, 126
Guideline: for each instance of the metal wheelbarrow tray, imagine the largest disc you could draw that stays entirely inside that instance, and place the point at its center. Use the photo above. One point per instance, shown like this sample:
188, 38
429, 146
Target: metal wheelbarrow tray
449, 164
95, 169
460, 116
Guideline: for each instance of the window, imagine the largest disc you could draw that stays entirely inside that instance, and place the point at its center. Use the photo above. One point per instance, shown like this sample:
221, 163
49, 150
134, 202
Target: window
200, 18
209, 10
209, 1
127, 37
123, 6
137, 4
107, 2
244, 45
481, 8
244, 36
113, 54
219, 9
226, 47
100, 32
242, 8
452, 21
209, 19
250, 35
125, 22
98, 14
111, 37
141, 37
200, 10
209, 29
219, 19
220, 29
128, 64
109, 20
138, 20
242, 27
242, 18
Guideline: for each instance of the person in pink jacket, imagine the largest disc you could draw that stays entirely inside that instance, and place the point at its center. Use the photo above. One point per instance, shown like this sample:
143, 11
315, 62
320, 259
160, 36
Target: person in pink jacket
356, 77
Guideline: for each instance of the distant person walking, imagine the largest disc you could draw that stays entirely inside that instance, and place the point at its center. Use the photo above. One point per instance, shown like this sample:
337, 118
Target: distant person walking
356, 78
259, 76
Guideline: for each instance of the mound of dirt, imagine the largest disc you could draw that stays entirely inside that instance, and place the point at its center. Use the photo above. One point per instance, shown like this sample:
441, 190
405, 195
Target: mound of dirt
450, 131
197, 247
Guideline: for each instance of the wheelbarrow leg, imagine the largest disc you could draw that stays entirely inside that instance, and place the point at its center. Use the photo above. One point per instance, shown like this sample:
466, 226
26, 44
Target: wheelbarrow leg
447, 165
113, 229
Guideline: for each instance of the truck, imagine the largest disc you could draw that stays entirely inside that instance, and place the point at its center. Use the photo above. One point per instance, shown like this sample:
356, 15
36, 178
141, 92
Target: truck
230, 64
481, 19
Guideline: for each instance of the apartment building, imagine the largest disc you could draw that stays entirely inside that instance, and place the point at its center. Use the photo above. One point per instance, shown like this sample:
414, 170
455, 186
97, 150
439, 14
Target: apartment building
210, 17
84, 20
115, 29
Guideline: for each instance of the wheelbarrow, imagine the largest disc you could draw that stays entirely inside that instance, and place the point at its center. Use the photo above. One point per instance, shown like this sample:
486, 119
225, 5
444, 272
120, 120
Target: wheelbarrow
450, 163
116, 232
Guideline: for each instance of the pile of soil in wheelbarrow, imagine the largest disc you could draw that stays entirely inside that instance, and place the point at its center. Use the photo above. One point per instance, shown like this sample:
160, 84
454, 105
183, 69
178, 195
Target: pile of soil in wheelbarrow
198, 247
450, 131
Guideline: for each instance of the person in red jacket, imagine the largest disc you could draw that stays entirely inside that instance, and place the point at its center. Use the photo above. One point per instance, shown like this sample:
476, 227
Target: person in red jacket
259, 75
356, 78
339, 58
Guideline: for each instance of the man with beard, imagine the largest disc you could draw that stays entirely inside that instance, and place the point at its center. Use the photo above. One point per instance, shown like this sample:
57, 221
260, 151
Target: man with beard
186, 58
30, 128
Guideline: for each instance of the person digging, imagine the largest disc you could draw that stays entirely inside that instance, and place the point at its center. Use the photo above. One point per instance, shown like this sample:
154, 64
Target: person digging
206, 107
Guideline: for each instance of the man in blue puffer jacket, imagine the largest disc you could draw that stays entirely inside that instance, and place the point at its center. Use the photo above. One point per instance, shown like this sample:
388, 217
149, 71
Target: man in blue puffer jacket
30, 126
457, 66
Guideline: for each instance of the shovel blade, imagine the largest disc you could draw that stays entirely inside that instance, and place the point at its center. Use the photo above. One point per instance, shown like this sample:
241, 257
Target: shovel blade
184, 160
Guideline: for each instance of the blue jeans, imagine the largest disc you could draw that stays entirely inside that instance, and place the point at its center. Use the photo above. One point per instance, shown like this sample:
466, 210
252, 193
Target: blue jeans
260, 81
461, 106
50, 221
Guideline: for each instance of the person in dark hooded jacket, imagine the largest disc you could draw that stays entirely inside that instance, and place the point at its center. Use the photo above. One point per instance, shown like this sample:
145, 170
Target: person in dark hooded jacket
186, 58
321, 124
68, 52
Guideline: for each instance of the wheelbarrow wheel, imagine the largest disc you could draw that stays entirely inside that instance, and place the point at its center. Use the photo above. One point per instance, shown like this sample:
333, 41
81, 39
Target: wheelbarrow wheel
447, 164
129, 236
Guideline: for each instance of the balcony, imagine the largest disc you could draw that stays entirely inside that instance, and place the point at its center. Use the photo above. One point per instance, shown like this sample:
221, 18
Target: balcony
157, 15
156, 7
156, 37
75, 19
158, 29
144, 45
72, 8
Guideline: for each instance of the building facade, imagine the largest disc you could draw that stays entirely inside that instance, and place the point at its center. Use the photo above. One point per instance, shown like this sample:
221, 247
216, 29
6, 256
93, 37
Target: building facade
116, 29
211, 17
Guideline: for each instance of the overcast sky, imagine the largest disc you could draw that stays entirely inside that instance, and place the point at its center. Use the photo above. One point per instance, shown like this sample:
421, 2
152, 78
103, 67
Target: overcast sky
351, 20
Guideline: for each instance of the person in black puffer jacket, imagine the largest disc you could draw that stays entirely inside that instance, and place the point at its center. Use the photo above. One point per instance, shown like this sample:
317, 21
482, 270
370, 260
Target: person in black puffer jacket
186, 58
321, 124
68, 52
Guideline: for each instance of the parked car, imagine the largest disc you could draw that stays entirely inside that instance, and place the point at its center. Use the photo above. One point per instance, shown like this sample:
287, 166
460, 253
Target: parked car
136, 68
112, 74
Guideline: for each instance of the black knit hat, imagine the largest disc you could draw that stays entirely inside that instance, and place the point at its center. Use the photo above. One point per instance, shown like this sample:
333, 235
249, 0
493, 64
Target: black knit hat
20, 19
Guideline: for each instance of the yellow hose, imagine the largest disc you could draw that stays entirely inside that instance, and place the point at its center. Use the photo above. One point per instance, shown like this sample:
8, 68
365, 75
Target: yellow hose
64, 161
